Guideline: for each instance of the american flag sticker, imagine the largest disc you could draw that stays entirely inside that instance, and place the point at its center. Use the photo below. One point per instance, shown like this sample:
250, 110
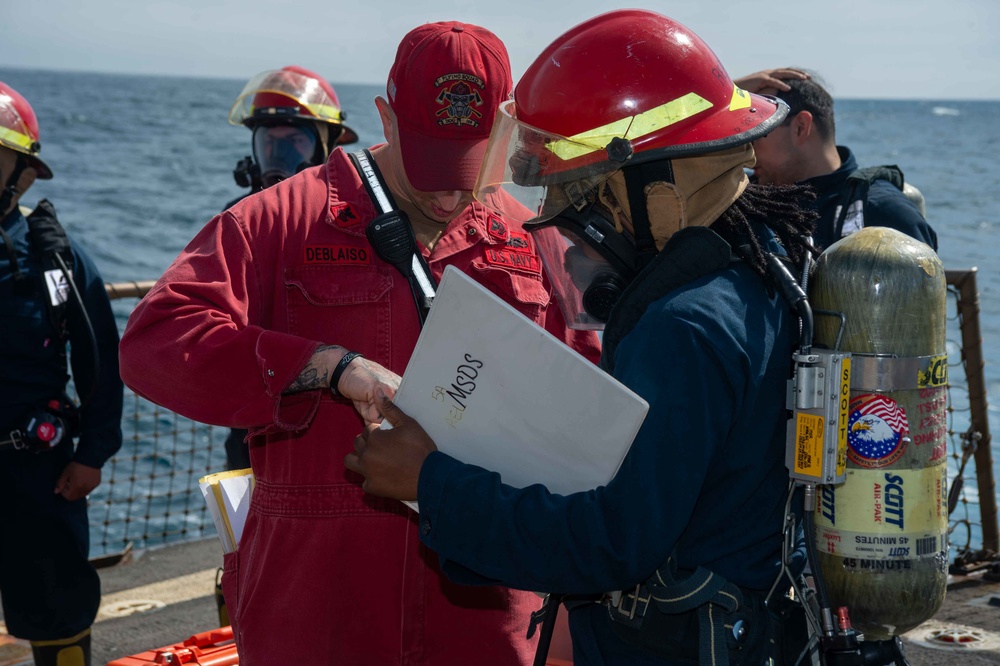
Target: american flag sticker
876, 430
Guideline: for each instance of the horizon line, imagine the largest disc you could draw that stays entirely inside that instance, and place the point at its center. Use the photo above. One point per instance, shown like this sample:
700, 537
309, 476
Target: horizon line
380, 84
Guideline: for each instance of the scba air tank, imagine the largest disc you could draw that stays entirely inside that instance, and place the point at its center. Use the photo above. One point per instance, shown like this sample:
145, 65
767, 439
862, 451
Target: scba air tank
882, 534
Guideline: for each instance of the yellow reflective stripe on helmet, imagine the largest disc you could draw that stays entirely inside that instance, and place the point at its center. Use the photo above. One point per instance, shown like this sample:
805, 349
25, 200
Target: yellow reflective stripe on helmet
16, 140
741, 99
630, 127
324, 111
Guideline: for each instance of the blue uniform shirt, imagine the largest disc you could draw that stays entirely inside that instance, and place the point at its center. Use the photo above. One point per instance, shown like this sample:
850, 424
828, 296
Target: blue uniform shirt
705, 474
887, 206
33, 365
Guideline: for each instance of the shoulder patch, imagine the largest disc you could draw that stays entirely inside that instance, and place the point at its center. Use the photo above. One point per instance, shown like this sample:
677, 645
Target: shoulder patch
345, 214
513, 260
497, 228
520, 242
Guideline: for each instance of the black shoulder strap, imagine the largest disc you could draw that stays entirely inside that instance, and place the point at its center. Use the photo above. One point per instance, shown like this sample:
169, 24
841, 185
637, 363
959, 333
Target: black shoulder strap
392, 237
689, 254
50, 244
859, 183
889, 172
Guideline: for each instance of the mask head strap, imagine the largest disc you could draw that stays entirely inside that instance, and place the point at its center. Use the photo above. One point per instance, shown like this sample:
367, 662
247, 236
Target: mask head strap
637, 177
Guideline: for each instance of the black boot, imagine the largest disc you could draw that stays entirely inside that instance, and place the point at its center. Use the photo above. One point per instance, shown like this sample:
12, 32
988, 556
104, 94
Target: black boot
73, 651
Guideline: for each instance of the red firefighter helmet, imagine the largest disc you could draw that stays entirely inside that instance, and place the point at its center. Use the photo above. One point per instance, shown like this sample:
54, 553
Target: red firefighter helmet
288, 95
626, 86
19, 129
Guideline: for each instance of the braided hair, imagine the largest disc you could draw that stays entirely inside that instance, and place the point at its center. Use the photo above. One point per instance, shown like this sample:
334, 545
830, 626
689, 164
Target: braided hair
785, 209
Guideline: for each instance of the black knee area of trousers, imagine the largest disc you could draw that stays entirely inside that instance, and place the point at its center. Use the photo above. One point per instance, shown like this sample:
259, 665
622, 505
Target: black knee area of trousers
50, 590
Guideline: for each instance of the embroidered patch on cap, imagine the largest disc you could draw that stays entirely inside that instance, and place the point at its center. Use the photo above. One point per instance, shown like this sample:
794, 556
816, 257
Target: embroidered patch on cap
345, 214
460, 96
517, 261
337, 254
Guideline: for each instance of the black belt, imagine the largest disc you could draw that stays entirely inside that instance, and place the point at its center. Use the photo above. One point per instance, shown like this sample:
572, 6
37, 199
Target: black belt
15, 441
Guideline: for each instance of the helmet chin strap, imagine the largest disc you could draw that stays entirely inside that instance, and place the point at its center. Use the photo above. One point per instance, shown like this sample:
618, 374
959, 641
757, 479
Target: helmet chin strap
10, 187
637, 177
327, 141
6, 198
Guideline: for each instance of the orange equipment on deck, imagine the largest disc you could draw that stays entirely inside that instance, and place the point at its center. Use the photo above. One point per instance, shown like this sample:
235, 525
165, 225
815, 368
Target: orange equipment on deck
209, 648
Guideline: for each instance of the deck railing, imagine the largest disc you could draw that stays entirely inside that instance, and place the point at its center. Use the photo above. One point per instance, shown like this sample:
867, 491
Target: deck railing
150, 494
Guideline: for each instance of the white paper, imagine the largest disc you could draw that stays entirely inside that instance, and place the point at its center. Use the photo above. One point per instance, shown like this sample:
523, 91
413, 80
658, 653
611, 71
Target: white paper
494, 389
216, 512
236, 492
227, 495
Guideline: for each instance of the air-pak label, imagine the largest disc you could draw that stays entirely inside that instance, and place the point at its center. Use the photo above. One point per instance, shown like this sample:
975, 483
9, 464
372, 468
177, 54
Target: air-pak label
844, 416
809, 445
879, 514
518, 261
930, 423
337, 254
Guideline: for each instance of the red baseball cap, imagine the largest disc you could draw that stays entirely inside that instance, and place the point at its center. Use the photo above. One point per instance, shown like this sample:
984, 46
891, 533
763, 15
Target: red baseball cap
444, 88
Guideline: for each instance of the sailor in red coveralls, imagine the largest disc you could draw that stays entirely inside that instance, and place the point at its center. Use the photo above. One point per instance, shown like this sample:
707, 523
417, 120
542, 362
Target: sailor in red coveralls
283, 294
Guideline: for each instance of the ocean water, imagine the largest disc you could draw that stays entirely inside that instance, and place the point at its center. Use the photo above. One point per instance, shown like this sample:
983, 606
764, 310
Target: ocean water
143, 162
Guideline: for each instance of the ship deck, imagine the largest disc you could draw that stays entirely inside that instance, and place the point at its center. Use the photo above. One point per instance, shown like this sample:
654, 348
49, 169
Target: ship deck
163, 595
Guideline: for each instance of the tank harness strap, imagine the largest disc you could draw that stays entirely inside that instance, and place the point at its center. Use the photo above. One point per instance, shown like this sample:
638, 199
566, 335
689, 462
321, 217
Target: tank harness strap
703, 591
50, 244
860, 181
690, 254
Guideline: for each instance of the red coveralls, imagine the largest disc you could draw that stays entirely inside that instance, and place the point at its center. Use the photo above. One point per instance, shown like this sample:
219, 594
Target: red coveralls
324, 573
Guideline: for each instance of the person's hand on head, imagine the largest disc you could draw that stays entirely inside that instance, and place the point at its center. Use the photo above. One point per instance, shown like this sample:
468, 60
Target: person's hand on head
390, 460
770, 79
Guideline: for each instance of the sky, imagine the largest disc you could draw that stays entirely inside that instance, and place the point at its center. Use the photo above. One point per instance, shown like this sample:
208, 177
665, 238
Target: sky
883, 49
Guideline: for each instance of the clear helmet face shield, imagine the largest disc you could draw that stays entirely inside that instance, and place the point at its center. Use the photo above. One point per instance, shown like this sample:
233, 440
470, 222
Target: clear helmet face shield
558, 180
284, 93
544, 172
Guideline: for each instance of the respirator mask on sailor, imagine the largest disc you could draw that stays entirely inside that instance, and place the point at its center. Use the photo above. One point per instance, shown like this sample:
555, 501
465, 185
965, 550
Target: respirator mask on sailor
589, 262
282, 151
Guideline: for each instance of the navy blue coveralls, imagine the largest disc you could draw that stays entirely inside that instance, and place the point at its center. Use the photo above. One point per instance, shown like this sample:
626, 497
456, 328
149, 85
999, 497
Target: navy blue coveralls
886, 207
705, 475
49, 588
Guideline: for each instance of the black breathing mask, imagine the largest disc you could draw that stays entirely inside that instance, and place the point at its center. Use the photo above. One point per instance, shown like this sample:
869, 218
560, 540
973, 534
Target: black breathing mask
279, 151
588, 261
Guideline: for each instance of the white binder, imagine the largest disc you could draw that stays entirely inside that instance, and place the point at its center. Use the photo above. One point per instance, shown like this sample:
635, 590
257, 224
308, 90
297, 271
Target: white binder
494, 389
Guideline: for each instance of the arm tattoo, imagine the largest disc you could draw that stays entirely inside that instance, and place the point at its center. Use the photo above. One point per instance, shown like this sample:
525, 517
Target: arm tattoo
315, 375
